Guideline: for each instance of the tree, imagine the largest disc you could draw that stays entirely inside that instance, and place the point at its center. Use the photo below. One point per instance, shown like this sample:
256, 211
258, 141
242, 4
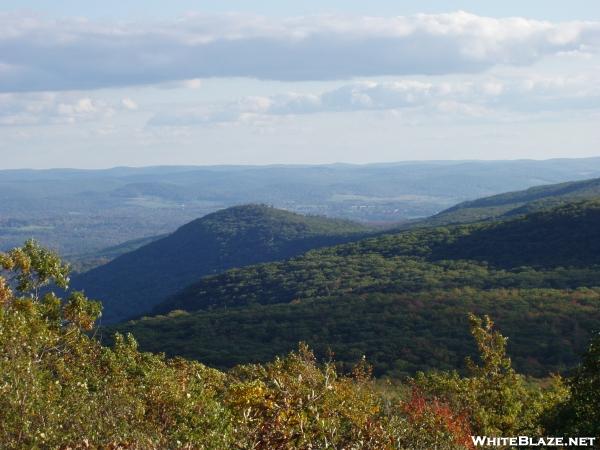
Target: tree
498, 401
59, 388
579, 415
32, 267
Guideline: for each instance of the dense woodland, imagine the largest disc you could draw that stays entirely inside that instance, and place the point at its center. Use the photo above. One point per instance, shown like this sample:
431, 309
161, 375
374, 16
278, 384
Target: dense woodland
401, 298
62, 389
399, 334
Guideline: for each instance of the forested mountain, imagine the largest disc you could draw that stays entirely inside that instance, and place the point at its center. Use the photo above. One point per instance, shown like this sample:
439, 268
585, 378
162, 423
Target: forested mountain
422, 259
135, 282
516, 203
567, 235
394, 296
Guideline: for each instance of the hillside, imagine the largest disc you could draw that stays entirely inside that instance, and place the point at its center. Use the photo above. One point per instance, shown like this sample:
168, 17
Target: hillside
469, 255
62, 387
368, 289
134, 282
515, 203
568, 235
399, 333
87, 261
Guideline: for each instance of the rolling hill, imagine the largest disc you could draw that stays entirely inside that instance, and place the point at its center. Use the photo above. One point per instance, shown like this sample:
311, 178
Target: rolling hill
511, 204
401, 298
136, 281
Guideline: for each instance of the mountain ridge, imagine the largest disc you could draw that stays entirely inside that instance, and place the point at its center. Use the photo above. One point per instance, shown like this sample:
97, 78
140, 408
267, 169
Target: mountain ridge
413, 287
133, 282
514, 203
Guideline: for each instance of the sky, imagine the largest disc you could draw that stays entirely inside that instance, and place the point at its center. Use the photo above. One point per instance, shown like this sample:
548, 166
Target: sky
138, 83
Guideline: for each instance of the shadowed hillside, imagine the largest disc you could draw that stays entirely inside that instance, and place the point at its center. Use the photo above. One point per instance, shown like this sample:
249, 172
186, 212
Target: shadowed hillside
134, 282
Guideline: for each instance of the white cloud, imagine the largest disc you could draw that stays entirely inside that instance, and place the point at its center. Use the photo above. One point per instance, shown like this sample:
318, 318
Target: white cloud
192, 83
129, 104
527, 95
48, 108
37, 53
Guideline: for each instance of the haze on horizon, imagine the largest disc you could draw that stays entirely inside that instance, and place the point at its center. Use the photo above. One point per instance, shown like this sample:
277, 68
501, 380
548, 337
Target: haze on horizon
199, 83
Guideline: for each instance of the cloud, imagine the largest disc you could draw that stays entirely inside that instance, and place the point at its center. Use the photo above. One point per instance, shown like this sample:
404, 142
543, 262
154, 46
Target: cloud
38, 53
48, 108
129, 104
192, 83
528, 95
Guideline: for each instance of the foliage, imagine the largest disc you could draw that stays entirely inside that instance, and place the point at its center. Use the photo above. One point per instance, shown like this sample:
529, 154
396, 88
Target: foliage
579, 415
400, 333
59, 388
498, 400
292, 403
33, 267
431, 423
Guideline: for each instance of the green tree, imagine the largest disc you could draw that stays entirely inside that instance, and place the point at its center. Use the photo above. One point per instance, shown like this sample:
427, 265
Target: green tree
59, 388
33, 267
579, 415
498, 401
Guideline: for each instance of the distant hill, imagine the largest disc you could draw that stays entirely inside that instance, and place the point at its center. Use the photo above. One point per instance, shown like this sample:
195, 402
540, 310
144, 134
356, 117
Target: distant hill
515, 203
384, 296
136, 281
84, 211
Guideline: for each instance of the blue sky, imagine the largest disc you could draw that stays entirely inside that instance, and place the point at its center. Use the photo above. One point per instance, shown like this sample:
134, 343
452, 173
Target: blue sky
119, 9
99, 84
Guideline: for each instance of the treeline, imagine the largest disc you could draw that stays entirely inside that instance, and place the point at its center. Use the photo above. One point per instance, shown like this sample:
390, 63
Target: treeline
60, 388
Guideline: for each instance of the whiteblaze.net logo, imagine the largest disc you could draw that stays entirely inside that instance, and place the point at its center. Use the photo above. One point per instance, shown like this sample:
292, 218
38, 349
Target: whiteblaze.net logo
527, 441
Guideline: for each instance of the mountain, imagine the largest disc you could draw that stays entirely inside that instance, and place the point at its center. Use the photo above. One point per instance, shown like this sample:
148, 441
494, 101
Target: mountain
401, 297
443, 257
84, 211
515, 203
136, 281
